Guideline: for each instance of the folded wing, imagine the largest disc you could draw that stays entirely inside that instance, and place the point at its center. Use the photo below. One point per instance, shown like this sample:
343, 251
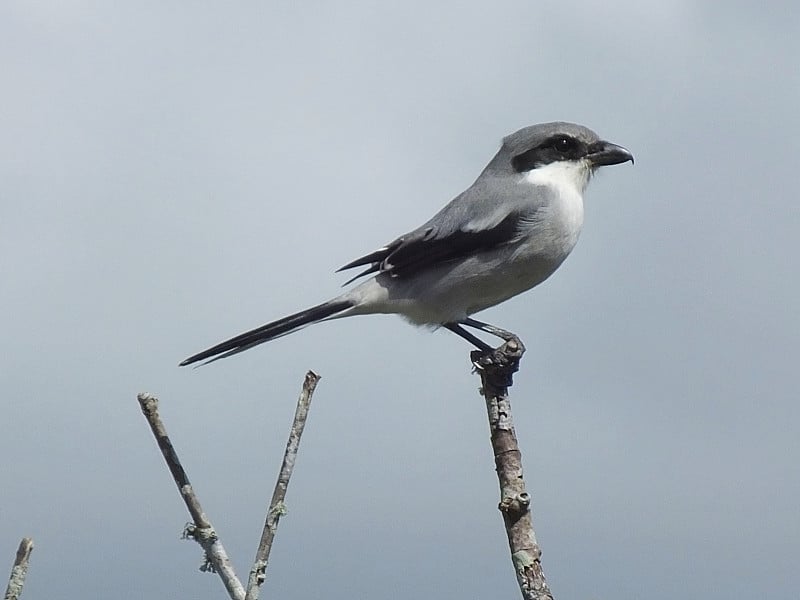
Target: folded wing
461, 229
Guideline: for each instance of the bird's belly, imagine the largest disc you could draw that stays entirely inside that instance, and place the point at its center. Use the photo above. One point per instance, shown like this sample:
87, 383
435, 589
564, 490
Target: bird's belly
479, 291
452, 292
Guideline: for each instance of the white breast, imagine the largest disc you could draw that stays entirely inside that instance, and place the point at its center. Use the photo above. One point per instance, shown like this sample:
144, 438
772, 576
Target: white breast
568, 180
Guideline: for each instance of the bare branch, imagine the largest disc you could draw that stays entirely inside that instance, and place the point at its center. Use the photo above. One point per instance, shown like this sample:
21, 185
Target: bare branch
20, 570
276, 507
202, 531
496, 369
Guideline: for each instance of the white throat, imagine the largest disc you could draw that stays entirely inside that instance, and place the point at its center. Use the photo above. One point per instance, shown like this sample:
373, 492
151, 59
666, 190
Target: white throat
566, 176
568, 180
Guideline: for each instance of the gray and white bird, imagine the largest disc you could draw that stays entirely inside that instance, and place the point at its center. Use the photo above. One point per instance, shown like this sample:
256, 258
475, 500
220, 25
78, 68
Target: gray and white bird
505, 234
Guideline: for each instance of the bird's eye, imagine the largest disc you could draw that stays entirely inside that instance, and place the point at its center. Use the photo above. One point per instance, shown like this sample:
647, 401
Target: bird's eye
563, 144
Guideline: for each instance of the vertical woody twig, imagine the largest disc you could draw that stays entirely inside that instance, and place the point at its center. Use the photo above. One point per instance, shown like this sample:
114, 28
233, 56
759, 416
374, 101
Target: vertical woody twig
276, 507
19, 571
202, 531
496, 369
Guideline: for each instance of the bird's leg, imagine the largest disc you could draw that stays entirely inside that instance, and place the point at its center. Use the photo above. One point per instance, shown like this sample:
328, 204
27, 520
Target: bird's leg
501, 333
472, 339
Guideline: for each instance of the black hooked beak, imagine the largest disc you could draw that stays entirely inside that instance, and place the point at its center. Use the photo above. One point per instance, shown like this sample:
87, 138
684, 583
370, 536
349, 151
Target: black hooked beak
602, 154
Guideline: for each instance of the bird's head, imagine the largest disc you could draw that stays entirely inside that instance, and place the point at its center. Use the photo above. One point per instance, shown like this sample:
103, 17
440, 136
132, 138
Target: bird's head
540, 153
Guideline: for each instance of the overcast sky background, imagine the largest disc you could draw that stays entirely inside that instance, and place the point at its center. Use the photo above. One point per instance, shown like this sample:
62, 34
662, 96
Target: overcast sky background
172, 174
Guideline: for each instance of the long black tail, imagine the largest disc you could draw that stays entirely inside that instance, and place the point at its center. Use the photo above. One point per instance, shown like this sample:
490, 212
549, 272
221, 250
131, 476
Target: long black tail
270, 331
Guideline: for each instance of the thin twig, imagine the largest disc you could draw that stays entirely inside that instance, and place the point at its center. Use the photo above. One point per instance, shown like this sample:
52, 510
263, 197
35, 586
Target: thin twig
202, 531
496, 369
20, 570
276, 507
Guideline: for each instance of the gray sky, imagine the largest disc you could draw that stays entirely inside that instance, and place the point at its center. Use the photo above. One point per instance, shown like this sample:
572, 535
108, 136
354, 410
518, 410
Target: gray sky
172, 174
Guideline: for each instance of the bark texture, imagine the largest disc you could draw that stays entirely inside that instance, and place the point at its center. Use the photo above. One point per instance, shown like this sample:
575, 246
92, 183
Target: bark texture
276, 507
19, 571
496, 369
201, 530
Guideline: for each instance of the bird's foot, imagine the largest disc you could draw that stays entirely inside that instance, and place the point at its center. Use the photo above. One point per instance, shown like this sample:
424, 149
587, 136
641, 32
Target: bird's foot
498, 365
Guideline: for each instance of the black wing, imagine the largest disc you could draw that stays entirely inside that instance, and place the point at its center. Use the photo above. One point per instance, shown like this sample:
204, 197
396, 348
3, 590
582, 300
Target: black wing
431, 244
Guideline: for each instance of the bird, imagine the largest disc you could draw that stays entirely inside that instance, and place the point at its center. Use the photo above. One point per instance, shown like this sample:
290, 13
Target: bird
505, 234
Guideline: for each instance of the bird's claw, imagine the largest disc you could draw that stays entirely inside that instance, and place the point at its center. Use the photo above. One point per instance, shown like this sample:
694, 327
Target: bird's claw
499, 364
